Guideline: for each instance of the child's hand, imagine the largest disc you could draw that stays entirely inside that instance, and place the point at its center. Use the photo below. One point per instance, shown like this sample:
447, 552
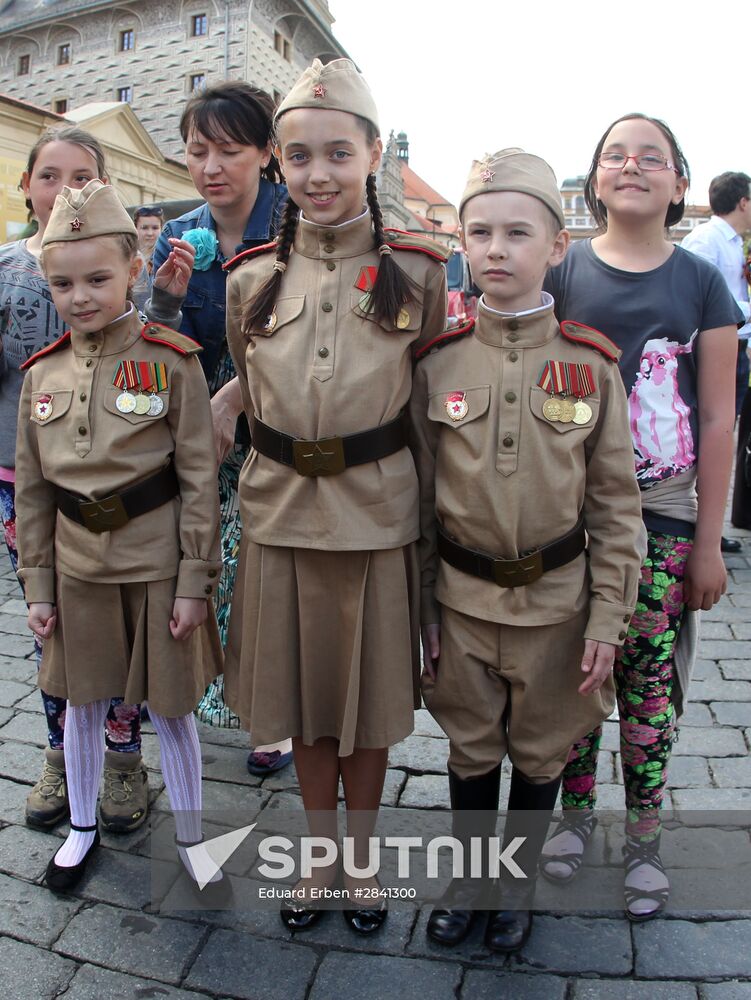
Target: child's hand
597, 663
431, 649
174, 274
42, 619
705, 579
187, 614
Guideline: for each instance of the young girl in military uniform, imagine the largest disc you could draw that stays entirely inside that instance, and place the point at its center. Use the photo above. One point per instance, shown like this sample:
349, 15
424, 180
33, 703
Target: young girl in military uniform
323, 324
117, 516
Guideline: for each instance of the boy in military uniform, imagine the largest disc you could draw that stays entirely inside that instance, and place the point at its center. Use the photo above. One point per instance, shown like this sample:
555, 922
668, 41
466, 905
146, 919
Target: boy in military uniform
530, 529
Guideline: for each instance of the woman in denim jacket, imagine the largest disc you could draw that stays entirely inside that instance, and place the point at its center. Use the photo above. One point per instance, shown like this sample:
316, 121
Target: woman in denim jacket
227, 134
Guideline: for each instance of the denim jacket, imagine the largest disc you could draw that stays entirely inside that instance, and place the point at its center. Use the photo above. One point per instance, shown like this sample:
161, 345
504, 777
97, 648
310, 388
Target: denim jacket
203, 308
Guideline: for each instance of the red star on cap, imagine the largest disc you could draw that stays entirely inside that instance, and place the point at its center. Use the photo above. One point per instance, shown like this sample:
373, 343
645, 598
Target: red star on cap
76, 225
319, 90
487, 175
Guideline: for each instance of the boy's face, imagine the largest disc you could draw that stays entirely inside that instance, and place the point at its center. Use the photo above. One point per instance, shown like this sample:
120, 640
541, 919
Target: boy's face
510, 242
89, 281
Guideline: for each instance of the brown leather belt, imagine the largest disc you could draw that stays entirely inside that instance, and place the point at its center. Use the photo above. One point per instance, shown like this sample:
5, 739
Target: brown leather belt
329, 456
513, 572
117, 509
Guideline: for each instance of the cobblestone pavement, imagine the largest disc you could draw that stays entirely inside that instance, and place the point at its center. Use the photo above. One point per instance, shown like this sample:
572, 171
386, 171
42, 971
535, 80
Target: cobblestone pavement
104, 943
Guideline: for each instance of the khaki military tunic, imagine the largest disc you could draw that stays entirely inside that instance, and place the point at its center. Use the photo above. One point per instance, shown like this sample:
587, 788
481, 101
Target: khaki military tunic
504, 479
324, 631
81, 442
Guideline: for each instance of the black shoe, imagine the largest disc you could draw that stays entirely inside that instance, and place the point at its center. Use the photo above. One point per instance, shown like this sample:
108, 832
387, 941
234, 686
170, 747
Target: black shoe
367, 920
450, 927
508, 930
216, 895
60, 878
299, 918
730, 545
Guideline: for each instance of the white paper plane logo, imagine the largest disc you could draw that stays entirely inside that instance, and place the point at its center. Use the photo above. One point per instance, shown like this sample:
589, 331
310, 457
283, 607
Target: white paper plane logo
207, 858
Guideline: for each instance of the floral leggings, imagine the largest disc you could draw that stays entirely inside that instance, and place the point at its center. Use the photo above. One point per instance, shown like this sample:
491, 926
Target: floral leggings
644, 684
122, 728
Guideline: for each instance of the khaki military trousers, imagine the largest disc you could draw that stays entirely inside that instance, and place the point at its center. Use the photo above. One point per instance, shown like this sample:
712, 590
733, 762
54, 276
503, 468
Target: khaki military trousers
509, 689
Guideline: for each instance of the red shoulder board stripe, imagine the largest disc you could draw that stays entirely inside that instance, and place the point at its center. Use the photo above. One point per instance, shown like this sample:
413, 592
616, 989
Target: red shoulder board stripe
240, 257
447, 337
63, 341
590, 337
157, 334
440, 255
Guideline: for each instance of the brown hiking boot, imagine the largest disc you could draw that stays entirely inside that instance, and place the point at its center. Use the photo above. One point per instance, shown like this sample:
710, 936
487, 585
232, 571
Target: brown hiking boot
125, 803
47, 802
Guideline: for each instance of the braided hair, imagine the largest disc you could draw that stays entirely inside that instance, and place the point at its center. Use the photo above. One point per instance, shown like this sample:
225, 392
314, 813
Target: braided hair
261, 306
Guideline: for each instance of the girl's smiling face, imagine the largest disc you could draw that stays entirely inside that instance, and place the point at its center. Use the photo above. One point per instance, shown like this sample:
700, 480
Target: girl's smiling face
58, 164
326, 158
629, 191
89, 281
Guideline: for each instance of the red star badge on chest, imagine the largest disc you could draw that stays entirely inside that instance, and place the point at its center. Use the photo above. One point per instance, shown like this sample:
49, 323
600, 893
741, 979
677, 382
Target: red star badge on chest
319, 90
76, 225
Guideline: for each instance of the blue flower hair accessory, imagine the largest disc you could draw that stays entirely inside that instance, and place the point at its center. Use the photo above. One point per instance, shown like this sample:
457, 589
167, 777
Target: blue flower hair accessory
206, 244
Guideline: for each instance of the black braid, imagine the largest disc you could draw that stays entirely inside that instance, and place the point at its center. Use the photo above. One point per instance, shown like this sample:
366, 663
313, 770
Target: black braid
261, 306
392, 287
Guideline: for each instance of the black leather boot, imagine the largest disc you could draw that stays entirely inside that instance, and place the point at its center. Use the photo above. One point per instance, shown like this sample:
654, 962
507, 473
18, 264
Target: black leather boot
474, 802
530, 807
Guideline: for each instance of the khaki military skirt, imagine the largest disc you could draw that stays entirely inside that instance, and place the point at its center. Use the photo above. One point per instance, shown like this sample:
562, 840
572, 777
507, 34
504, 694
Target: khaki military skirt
325, 644
113, 641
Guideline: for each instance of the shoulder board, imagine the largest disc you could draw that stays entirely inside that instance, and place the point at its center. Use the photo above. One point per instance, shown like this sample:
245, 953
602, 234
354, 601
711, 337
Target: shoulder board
246, 254
452, 336
157, 334
401, 240
587, 335
63, 341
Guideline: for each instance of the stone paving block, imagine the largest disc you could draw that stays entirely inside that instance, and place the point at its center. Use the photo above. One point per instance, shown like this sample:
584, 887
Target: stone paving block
160, 948
25, 852
426, 791
724, 612
420, 753
739, 629
16, 668
372, 977
22, 762
605, 768
18, 645
718, 630
579, 944
32, 702
611, 739
31, 912
712, 798
392, 939
739, 598
93, 983
425, 725
392, 787
13, 625
516, 985
223, 737
12, 801
227, 764
741, 576
726, 991
12, 692
472, 949
728, 714
6, 714
14, 606
28, 727
706, 670
29, 973
679, 949
688, 772
731, 772
697, 714
610, 796
279, 781
118, 878
253, 969
725, 649
224, 801
715, 742
588, 989
736, 670
723, 690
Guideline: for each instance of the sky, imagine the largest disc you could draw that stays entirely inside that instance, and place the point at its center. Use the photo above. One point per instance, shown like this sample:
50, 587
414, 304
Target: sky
463, 78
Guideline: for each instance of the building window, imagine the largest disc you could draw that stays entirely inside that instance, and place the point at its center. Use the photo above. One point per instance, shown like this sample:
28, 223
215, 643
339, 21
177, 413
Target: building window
61, 106
199, 25
283, 46
24, 62
63, 54
125, 94
197, 80
127, 40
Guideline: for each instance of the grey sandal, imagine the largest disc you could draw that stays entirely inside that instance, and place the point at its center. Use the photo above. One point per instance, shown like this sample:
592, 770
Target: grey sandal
582, 827
634, 856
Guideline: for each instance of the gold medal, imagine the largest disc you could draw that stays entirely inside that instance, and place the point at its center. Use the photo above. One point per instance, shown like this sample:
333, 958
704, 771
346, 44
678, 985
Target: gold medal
402, 320
551, 409
126, 402
142, 404
583, 412
270, 325
156, 405
568, 411
43, 407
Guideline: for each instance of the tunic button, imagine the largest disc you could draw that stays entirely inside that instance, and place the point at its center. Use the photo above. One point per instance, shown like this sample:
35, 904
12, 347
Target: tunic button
82, 397
513, 356
323, 352
327, 307
514, 324
329, 248
621, 635
207, 589
82, 430
212, 573
508, 441
510, 397
331, 265
89, 362
92, 347
626, 619
513, 337
328, 237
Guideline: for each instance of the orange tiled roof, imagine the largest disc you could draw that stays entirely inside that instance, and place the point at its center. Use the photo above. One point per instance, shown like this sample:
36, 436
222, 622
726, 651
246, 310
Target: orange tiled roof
415, 187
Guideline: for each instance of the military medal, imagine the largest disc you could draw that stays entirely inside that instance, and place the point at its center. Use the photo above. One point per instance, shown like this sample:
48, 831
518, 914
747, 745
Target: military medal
583, 412
563, 380
125, 402
156, 405
143, 404
456, 405
551, 409
126, 378
367, 277
43, 407
568, 411
270, 325
402, 320
154, 377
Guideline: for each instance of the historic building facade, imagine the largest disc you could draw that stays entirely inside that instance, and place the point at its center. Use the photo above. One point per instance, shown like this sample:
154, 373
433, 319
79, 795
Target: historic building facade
61, 55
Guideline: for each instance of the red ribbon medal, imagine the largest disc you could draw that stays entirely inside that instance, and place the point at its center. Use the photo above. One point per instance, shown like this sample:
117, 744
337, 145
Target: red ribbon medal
366, 278
456, 405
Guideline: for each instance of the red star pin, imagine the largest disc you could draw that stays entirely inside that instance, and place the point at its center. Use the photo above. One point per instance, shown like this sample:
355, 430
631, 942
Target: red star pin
487, 175
319, 90
76, 225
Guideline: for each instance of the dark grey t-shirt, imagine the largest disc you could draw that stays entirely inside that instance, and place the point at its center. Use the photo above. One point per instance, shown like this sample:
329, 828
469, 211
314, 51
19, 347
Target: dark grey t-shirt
655, 318
28, 322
